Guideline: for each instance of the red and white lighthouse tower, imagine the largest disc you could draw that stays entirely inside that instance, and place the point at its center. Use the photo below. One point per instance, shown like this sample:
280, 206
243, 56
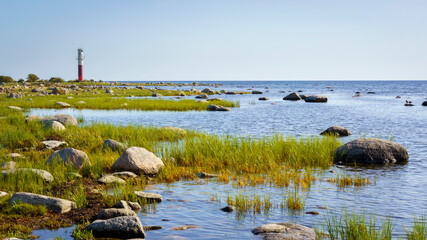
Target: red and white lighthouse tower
80, 58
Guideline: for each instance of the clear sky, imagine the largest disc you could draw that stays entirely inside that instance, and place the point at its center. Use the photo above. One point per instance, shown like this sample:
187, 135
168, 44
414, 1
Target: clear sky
215, 39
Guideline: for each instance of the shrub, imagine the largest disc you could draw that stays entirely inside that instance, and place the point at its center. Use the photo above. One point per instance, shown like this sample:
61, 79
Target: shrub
6, 79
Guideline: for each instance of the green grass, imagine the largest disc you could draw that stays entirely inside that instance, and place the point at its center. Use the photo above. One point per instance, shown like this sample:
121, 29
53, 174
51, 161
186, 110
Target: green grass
419, 229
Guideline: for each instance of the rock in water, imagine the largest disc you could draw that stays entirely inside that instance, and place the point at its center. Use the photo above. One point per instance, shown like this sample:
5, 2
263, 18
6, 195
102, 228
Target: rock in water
293, 97
124, 227
149, 197
55, 204
263, 98
128, 205
217, 108
256, 92
114, 145
289, 231
138, 160
336, 131
71, 156
115, 212
424, 103
371, 151
316, 98
15, 108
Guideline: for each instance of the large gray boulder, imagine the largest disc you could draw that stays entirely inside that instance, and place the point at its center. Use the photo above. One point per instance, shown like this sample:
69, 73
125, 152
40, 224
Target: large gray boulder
115, 212
71, 156
208, 90
424, 103
56, 126
138, 160
316, 98
336, 131
289, 231
123, 227
45, 175
65, 119
114, 145
58, 205
292, 97
371, 151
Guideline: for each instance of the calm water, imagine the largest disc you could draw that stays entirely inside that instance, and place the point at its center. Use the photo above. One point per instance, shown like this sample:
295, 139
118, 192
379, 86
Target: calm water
399, 190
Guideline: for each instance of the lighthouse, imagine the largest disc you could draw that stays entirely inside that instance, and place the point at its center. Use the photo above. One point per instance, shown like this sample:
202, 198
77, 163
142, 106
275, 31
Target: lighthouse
80, 58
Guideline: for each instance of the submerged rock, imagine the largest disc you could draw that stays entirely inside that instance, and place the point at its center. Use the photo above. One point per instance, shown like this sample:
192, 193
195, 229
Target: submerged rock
256, 92
185, 227
228, 209
123, 227
292, 97
424, 103
71, 156
289, 231
138, 160
58, 205
316, 98
336, 131
371, 151
263, 98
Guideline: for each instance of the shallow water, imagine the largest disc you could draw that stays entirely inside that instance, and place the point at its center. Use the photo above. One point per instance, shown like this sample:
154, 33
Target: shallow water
399, 190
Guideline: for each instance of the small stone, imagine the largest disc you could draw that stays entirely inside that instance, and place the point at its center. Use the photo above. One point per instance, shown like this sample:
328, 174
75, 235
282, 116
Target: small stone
128, 205
114, 145
110, 179
15, 108
312, 212
151, 228
115, 212
62, 104
263, 98
316, 98
8, 165
55, 204
53, 144
149, 197
73, 175
229, 208
256, 92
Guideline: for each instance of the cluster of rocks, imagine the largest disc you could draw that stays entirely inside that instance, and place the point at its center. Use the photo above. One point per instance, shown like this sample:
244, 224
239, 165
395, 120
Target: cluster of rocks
313, 98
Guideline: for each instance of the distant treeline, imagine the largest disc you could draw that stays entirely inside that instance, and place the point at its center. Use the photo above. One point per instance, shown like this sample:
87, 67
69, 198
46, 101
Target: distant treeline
32, 78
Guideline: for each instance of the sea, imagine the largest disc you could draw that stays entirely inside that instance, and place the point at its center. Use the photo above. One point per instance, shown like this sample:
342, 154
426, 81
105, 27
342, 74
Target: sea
369, 109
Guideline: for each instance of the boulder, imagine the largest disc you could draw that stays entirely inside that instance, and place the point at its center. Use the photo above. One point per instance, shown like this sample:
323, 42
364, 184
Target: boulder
115, 212
336, 131
32, 117
256, 92
208, 91
14, 155
56, 126
125, 174
128, 205
263, 98
316, 98
203, 96
60, 91
229, 208
65, 119
149, 197
289, 231
53, 144
114, 145
8, 165
371, 151
424, 103
62, 104
57, 205
14, 108
123, 227
71, 156
292, 97
3, 194
110, 179
217, 108
138, 160
45, 175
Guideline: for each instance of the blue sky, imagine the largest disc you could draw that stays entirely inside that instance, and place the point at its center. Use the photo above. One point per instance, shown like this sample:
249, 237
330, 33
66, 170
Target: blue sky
216, 40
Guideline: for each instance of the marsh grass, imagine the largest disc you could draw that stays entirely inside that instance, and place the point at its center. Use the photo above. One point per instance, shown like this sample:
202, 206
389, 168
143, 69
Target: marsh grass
346, 180
419, 229
253, 203
293, 200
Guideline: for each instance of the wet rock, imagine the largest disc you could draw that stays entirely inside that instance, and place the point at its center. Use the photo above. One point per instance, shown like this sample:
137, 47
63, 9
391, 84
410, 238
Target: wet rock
65, 119
115, 212
371, 151
110, 179
312, 213
8, 165
228, 209
285, 231
52, 144
208, 91
150, 197
185, 227
371, 92
398, 96
151, 228
114, 145
45, 175
203, 96
256, 92
336, 131
303, 96
292, 97
138, 160
71, 156
127, 205
56, 126
14, 155
57, 205
62, 104
316, 98
263, 98
125, 174
206, 175
424, 103
14, 108
217, 108
124, 227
